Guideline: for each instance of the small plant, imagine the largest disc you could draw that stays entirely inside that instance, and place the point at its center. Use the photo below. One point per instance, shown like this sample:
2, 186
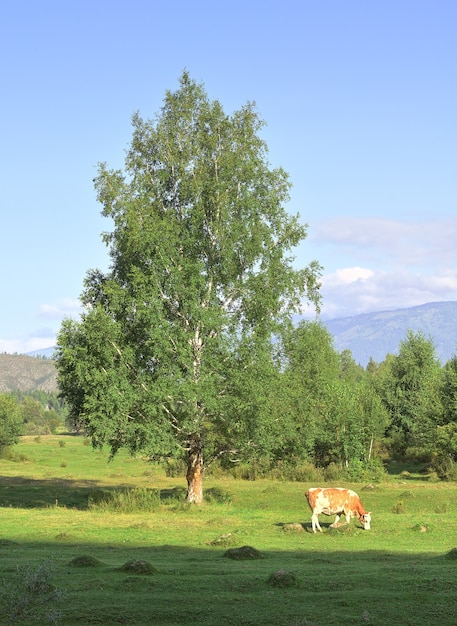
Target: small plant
442, 508
294, 527
61, 443
27, 598
399, 507
227, 539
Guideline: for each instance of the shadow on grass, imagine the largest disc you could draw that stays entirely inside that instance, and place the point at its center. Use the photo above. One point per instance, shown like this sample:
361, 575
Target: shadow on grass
192, 585
24, 492
408, 471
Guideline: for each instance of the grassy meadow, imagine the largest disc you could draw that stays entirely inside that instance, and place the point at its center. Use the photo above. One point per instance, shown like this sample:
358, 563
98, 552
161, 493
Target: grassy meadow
93, 528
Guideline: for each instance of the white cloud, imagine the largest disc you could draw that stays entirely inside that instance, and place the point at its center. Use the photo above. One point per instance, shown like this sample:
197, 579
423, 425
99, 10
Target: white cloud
22, 344
349, 275
350, 291
62, 308
377, 264
42, 337
390, 242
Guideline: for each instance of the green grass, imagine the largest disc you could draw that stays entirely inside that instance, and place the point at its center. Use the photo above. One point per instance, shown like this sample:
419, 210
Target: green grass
399, 572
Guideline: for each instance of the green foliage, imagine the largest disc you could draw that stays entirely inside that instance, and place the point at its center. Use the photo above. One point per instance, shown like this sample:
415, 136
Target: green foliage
42, 412
366, 471
124, 500
409, 387
173, 356
30, 596
444, 458
448, 391
10, 421
310, 367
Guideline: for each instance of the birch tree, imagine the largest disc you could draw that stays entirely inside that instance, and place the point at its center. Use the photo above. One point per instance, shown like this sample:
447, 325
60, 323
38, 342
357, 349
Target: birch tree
200, 280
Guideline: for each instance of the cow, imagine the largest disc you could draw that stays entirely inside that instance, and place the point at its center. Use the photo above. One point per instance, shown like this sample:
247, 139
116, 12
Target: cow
336, 501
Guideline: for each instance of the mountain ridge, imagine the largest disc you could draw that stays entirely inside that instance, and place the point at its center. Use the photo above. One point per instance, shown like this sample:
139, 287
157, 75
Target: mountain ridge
374, 335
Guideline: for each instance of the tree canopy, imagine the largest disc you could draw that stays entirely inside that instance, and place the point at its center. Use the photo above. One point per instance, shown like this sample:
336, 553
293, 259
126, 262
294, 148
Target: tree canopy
11, 426
173, 355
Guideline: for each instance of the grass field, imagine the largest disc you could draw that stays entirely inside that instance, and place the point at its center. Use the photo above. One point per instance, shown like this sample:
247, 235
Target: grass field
402, 571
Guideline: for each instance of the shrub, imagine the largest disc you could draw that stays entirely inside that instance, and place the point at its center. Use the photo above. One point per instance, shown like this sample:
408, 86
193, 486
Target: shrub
29, 595
444, 467
296, 471
12, 455
175, 468
216, 494
361, 471
399, 507
125, 500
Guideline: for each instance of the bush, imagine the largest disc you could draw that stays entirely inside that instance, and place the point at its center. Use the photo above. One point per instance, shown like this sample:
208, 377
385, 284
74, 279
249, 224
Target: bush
362, 471
218, 495
11, 426
175, 468
125, 500
444, 467
296, 471
29, 595
10, 454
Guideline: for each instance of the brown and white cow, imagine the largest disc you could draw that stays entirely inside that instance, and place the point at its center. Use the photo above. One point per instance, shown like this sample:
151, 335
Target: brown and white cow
336, 501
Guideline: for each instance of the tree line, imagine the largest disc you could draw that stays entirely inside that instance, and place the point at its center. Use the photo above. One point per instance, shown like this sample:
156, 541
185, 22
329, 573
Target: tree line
29, 413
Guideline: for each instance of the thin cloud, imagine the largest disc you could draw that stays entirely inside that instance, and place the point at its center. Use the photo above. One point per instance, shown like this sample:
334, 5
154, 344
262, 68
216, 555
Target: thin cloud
386, 264
39, 339
392, 242
381, 290
62, 308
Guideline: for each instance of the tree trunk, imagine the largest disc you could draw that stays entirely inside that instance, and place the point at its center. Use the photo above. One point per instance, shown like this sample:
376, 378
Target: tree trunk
371, 447
195, 472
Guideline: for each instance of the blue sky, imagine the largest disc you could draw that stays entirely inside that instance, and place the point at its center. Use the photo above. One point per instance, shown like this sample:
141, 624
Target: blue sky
360, 101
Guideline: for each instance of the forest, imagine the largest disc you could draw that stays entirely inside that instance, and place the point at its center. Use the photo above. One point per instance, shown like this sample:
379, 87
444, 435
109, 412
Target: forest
323, 414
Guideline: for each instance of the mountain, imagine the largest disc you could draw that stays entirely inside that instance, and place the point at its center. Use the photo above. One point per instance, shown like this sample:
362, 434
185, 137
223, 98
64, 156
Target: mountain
377, 334
47, 353
26, 373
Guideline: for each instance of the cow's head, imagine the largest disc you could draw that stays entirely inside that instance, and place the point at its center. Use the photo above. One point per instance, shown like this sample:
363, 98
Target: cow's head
365, 519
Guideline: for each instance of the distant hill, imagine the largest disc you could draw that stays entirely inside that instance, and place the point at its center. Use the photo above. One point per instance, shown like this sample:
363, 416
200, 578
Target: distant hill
377, 334
48, 353
27, 373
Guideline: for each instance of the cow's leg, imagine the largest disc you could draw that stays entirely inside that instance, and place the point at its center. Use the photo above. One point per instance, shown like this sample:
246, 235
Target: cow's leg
315, 523
335, 523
